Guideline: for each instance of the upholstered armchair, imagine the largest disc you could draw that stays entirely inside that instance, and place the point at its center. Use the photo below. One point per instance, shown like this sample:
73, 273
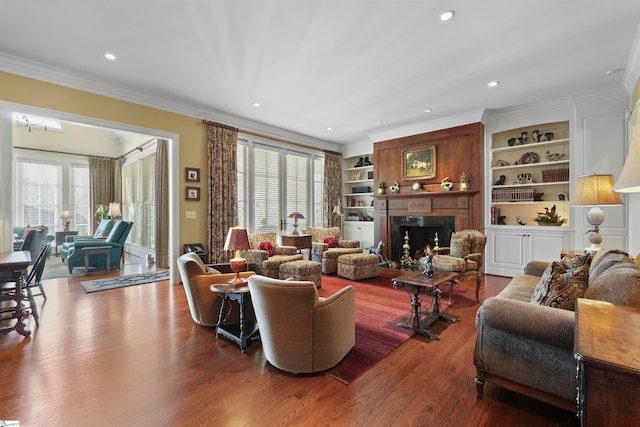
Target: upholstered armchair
466, 254
20, 233
103, 230
267, 255
197, 279
115, 239
327, 254
300, 331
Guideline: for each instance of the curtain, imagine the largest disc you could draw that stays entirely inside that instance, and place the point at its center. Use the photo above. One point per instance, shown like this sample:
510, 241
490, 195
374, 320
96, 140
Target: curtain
332, 186
162, 204
104, 172
221, 187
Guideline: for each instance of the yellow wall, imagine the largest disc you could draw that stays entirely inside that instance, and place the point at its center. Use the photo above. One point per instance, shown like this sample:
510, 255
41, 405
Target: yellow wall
191, 131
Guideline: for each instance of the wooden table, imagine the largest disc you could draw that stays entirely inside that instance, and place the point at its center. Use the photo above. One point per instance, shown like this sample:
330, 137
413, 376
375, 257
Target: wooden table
242, 333
97, 250
61, 237
13, 265
417, 285
607, 349
300, 241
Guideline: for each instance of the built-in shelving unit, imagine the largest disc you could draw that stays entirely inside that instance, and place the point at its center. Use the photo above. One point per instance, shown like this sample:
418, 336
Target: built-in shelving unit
358, 192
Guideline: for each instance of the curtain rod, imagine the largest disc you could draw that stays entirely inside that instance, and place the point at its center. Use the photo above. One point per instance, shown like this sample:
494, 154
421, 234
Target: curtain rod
138, 148
220, 125
60, 152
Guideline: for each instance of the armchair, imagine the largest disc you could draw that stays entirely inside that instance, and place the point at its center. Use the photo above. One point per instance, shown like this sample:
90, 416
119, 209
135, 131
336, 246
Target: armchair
197, 279
265, 264
103, 230
328, 257
300, 331
465, 256
115, 239
19, 236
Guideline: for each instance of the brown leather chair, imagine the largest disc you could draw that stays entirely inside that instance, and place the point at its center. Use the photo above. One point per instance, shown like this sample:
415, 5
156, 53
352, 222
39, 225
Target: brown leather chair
300, 331
197, 279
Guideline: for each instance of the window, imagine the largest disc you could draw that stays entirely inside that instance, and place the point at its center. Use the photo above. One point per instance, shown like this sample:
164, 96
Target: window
38, 201
82, 213
139, 199
274, 182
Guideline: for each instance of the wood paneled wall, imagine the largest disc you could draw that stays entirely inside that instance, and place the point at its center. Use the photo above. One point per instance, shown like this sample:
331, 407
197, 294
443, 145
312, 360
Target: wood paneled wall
458, 150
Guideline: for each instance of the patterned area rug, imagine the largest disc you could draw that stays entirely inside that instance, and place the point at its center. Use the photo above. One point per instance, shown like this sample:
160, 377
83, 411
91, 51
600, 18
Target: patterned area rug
121, 282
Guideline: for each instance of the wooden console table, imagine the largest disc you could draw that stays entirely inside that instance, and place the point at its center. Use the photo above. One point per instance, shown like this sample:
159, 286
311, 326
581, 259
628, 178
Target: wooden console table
607, 349
300, 241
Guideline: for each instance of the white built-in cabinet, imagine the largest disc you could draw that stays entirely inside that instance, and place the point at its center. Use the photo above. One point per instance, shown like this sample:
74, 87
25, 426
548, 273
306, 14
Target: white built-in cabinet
357, 198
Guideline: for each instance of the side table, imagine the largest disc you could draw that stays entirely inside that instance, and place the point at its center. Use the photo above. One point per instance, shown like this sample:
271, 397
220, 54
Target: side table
97, 250
61, 236
242, 333
300, 241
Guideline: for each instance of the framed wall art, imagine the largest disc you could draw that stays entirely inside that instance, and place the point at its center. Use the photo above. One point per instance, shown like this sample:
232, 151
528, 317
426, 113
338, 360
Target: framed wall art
192, 174
192, 194
419, 163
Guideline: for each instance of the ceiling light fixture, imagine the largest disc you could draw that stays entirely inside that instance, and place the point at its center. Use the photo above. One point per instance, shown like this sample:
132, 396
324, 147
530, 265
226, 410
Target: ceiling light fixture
110, 56
446, 16
428, 110
256, 104
329, 129
493, 83
614, 71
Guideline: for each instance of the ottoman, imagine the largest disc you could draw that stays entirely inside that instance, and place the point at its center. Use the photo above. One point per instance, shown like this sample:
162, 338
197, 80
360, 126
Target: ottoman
358, 266
302, 270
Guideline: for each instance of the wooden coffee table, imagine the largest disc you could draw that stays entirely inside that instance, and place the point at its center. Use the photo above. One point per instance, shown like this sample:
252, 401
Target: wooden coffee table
417, 286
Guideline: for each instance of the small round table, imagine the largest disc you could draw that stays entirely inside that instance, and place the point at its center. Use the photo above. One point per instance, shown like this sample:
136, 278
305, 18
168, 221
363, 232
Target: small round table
244, 332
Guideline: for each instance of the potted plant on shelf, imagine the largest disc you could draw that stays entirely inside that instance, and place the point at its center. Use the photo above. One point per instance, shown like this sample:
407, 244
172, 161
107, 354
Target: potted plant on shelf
549, 217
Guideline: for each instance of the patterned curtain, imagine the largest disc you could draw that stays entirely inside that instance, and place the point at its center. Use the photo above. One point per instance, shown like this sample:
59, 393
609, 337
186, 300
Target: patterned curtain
102, 183
222, 187
332, 186
162, 204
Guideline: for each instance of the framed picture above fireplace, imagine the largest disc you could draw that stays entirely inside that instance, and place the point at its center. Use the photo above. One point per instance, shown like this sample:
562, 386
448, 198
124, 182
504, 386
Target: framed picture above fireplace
419, 163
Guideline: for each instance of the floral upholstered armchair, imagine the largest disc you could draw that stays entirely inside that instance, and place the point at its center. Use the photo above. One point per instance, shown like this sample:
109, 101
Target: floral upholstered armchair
267, 255
466, 254
327, 247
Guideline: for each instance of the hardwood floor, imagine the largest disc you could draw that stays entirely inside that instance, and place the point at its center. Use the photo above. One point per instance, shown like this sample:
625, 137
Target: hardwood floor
134, 357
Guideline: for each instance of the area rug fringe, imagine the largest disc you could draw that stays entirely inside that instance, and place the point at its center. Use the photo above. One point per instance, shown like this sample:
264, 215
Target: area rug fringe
123, 281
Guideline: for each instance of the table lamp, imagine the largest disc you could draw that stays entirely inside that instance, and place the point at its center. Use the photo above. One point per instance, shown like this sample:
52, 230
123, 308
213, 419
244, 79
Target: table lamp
66, 219
237, 240
629, 179
114, 211
296, 216
595, 190
337, 210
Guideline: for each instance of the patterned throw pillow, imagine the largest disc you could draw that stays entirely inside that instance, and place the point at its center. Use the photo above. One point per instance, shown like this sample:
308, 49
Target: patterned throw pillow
459, 245
331, 241
565, 288
542, 288
267, 246
575, 261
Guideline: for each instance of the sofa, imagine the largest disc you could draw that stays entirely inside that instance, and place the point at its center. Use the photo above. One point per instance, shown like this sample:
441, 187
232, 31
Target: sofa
116, 239
525, 334
266, 254
19, 235
327, 246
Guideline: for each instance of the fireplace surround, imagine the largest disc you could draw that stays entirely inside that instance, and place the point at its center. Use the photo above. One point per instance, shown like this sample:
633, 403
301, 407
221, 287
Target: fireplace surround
421, 231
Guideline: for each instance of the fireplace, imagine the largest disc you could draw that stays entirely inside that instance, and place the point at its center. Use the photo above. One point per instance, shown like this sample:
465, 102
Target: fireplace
422, 232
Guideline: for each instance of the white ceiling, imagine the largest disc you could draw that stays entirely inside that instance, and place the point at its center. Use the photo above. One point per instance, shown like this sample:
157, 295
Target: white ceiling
349, 64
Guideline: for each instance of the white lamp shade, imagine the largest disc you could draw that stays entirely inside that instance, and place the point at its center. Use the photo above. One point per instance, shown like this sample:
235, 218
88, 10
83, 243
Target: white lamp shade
629, 179
114, 210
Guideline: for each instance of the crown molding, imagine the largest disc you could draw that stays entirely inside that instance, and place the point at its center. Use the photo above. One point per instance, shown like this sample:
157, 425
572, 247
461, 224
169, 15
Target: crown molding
600, 96
632, 72
562, 106
59, 76
439, 124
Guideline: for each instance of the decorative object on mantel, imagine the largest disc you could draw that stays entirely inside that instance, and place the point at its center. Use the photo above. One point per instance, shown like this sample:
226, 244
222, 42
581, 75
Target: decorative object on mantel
549, 217
416, 186
395, 188
464, 182
381, 188
446, 185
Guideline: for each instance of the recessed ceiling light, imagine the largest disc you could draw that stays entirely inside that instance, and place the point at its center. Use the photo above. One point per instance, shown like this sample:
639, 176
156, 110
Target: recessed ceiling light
614, 71
446, 16
428, 110
384, 122
256, 104
493, 83
110, 56
329, 129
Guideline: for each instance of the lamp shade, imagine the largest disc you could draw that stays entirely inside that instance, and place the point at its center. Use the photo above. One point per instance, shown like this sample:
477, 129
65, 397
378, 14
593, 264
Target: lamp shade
237, 240
337, 209
595, 190
114, 210
629, 179
296, 216
65, 214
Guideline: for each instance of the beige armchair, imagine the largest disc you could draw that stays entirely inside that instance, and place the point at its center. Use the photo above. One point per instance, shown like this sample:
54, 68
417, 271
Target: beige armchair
301, 332
328, 257
266, 265
197, 279
466, 254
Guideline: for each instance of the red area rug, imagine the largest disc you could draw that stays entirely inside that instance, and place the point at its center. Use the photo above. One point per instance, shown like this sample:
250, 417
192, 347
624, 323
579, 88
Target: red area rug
379, 308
